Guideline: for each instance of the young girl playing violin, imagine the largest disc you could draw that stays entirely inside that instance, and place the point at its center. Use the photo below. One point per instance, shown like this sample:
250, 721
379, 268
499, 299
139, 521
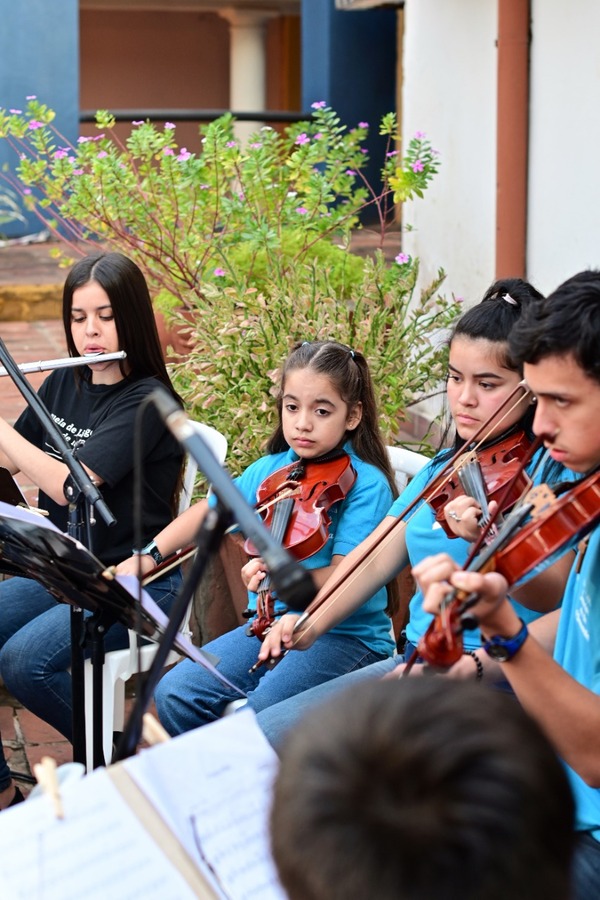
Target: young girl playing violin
326, 403
106, 308
481, 375
553, 664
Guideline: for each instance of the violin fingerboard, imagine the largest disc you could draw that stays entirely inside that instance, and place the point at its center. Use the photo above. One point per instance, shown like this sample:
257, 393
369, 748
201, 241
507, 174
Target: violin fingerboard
540, 497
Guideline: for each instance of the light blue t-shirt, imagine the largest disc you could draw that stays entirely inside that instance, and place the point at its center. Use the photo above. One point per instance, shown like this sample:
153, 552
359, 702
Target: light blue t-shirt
352, 520
426, 537
577, 650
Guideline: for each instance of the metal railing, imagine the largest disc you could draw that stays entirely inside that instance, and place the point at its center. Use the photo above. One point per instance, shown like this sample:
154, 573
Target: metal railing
197, 115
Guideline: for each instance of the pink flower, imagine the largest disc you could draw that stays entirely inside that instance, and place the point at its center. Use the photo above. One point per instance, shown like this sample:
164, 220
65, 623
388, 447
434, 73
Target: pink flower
83, 140
138, 122
168, 151
417, 166
102, 154
301, 210
318, 136
255, 146
26, 190
363, 124
231, 144
391, 153
318, 104
241, 195
419, 135
220, 272
183, 154
77, 171
204, 187
31, 97
169, 125
350, 172
60, 154
402, 259
302, 139
98, 137
16, 112
33, 125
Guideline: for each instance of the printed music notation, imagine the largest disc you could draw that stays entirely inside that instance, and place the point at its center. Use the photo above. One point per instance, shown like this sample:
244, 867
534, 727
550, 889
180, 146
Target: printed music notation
185, 819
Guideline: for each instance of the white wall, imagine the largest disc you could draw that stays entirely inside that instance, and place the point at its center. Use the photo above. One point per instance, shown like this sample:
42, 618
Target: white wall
564, 169
450, 93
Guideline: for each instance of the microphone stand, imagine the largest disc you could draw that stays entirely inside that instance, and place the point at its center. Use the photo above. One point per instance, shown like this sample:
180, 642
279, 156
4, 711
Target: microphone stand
83, 498
294, 583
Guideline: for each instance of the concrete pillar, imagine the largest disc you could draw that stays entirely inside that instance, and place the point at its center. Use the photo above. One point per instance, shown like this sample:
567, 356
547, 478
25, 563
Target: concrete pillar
247, 61
39, 55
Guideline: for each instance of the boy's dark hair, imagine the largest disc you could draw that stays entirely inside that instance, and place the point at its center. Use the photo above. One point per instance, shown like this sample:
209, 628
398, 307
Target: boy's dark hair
567, 322
425, 788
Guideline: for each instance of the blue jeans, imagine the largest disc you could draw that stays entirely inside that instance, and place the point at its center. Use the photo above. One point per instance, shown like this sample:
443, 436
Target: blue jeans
585, 882
35, 642
188, 696
280, 718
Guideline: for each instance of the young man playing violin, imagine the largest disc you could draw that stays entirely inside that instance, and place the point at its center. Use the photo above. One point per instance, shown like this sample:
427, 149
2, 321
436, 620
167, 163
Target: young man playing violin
553, 664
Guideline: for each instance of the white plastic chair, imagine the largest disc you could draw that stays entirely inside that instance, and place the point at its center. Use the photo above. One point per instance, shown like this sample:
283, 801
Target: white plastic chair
405, 463
120, 665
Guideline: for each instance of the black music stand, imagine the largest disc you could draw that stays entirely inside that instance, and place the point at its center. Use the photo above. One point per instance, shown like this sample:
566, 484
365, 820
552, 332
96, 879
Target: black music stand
32, 546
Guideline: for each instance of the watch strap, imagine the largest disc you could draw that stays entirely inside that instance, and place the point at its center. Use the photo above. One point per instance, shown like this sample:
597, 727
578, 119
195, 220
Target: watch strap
503, 648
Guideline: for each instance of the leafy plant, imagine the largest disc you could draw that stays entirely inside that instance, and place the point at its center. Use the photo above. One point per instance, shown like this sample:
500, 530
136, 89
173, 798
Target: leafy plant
252, 243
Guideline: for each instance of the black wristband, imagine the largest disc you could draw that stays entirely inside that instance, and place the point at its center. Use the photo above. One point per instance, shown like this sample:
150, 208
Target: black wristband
478, 663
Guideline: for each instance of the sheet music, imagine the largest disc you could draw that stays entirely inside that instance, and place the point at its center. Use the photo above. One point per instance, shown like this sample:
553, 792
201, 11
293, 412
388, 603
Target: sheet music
213, 786
99, 850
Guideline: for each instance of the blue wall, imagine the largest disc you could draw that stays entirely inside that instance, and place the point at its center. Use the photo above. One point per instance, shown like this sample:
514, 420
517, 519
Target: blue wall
349, 60
39, 54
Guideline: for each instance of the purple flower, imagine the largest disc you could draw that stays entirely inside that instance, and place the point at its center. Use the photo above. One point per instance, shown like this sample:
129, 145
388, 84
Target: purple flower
168, 151
301, 210
220, 272
302, 139
16, 112
318, 136
34, 124
138, 122
99, 137
417, 166
83, 140
204, 187
363, 150
241, 195
60, 154
363, 124
31, 97
419, 135
231, 144
391, 153
350, 172
402, 259
318, 104
169, 125
255, 146
102, 154
183, 154
77, 171
26, 190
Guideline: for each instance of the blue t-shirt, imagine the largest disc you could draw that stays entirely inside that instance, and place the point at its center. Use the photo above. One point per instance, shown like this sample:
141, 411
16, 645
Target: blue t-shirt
352, 520
426, 537
577, 650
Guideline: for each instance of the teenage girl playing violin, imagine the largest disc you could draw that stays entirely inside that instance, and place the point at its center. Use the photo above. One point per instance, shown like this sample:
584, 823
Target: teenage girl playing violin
481, 375
553, 664
326, 402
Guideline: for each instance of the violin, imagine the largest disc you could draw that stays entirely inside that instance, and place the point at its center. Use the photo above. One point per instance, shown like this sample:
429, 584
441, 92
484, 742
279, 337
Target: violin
294, 502
501, 464
555, 526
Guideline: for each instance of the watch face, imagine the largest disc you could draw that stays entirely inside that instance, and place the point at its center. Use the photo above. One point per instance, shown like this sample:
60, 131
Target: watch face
497, 652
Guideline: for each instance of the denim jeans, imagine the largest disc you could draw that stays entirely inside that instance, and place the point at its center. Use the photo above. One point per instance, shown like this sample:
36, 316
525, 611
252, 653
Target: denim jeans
188, 696
35, 645
277, 720
585, 882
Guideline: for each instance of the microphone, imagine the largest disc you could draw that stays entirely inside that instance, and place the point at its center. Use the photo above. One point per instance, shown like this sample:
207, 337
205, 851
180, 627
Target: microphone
293, 583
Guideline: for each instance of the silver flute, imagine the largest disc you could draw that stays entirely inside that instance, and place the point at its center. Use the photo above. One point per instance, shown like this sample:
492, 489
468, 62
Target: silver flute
44, 365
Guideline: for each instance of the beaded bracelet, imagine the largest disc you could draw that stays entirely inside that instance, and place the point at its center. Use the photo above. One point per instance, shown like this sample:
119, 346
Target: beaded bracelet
479, 664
